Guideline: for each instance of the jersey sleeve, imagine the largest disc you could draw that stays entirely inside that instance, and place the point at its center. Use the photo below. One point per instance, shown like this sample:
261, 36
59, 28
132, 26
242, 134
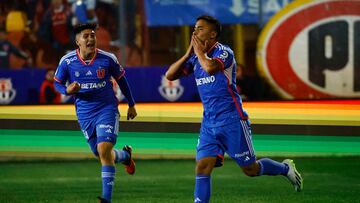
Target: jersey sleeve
61, 75
189, 65
225, 57
116, 70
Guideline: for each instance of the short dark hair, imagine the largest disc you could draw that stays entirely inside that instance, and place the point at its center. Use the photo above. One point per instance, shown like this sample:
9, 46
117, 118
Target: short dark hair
213, 21
84, 26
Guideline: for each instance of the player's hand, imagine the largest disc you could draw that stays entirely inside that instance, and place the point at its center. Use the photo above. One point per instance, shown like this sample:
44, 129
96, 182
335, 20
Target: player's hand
200, 47
73, 88
131, 114
190, 50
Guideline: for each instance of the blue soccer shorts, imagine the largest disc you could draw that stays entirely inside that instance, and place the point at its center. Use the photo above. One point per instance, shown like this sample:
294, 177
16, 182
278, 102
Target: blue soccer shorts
235, 139
101, 128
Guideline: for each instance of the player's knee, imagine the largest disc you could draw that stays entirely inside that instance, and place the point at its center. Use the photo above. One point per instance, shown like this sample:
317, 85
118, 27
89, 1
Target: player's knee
205, 166
201, 167
105, 155
105, 152
251, 171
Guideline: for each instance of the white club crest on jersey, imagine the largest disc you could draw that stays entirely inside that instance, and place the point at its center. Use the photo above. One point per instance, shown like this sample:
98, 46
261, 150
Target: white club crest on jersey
224, 55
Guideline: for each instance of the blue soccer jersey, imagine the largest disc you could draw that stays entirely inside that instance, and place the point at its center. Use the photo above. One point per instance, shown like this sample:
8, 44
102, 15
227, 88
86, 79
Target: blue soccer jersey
221, 101
94, 76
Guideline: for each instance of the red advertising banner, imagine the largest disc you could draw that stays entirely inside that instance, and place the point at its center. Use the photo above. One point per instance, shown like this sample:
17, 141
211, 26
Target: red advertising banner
311, 50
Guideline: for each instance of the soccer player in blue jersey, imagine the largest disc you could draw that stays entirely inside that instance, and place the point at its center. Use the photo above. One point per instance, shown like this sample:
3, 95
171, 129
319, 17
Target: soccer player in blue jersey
225, 126
88, 71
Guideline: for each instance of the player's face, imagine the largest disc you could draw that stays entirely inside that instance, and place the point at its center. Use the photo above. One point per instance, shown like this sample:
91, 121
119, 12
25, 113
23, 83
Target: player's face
86, 40
204, 31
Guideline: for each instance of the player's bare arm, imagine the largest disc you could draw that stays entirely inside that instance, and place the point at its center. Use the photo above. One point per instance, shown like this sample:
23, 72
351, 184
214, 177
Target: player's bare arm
200, 49
175, 70
73, 88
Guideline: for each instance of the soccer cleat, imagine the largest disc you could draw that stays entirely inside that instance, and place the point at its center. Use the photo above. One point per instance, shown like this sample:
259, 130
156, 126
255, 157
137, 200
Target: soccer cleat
293, 175
102, 200
130, 163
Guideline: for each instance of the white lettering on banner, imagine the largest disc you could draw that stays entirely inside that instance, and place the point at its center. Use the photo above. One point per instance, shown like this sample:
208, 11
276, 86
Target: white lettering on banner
93, 85
269, 6
237, 8
205, 80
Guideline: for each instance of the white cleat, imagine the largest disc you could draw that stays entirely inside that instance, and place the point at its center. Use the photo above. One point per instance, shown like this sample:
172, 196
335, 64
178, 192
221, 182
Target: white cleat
293, 175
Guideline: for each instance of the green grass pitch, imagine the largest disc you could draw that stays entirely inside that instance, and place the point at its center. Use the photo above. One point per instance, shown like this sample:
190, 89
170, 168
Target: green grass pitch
332, 179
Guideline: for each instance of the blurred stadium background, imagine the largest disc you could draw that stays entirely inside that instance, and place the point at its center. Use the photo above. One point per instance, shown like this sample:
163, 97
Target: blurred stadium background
298, 74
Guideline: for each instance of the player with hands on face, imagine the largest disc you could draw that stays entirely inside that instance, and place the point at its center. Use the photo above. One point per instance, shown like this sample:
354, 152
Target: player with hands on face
225, 127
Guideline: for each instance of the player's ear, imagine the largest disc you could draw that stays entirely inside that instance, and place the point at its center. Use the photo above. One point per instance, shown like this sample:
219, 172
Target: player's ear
213, 34
76, 40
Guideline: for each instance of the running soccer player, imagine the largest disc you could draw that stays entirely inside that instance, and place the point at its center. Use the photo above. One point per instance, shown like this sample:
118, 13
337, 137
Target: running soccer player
225, 126
88, 71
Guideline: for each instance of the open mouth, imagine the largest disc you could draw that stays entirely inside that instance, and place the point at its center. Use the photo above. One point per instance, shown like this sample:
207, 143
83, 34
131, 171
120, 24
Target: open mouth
90, 45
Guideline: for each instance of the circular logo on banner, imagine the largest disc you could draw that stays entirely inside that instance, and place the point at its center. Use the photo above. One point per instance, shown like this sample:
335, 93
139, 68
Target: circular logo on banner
311, 50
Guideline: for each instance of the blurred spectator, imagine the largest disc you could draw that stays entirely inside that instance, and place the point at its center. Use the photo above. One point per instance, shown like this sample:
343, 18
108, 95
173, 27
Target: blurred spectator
40, 9
103, 39
84, 11
28, 44
7, 48
48, 95
46, 57
57, 19
133, 56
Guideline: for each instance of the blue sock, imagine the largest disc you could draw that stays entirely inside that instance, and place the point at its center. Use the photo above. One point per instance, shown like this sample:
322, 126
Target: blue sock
121, 155
108, 176
271, 167
202, 188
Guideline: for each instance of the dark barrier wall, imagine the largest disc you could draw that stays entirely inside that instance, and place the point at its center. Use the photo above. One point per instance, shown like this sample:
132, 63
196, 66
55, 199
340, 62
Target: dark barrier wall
147, 83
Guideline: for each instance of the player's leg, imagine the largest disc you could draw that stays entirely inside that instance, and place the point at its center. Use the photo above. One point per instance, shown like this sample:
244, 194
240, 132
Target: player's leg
124, 156
203, 170
240, 148
107, 169
88, 129
245, 157
106, 131
206, 158
266, 166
